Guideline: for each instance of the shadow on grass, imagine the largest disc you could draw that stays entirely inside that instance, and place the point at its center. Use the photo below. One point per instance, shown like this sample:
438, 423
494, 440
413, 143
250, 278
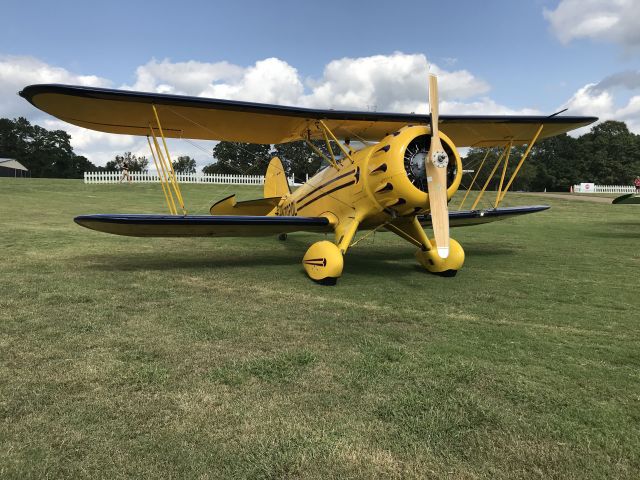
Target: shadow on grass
389, 259
614, 233
629, 223
488, 250
164, 261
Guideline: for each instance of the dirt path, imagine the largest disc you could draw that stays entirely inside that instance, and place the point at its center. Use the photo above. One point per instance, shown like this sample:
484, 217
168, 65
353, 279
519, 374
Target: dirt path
583, 198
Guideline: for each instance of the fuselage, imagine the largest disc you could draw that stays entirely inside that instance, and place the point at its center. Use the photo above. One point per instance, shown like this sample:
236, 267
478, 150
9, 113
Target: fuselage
379, 183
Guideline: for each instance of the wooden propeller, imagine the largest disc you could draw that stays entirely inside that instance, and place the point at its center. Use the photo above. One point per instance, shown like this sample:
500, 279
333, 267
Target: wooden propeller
436, 166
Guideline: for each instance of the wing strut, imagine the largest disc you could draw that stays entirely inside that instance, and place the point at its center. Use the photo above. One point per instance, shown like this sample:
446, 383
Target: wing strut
507, 148
320, 153
328, 136
475, 177
503, 156
326, 130
505, 165
515, 172
162, 175
166, 173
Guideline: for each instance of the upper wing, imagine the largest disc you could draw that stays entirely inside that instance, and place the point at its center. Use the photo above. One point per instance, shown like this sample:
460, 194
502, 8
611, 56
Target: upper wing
126, 112
201, 225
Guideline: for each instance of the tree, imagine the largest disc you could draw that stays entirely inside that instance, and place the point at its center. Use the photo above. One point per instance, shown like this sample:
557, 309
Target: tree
252, 159
557, 163
298, 159
550, 165
611, 153
46, 153
240, 158
133, 163
184, 164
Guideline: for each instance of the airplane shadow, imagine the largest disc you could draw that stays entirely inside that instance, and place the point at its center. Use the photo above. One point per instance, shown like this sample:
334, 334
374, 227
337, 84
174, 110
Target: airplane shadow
609, 234
488, 250
619, 229
168, 261
635, 224
367, 258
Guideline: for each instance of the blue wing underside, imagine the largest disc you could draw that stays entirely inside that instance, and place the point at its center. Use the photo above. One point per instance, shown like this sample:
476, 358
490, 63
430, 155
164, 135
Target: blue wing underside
257, 226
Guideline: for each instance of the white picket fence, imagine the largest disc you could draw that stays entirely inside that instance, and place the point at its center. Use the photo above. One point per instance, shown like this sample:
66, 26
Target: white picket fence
152, 177
591, 188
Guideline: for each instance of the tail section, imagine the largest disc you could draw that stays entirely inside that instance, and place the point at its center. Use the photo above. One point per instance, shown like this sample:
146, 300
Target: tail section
275, 180
275, 187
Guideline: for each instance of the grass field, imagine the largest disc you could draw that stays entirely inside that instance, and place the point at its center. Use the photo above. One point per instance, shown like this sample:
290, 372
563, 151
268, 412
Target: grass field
199, 358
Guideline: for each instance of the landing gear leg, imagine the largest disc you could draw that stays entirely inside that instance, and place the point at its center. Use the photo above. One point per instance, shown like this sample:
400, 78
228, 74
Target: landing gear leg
427, 255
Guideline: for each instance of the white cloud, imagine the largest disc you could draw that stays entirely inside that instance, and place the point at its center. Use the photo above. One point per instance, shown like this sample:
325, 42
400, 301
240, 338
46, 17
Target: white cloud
586, 103
16, 72
394, 83
268, 81
609, 20
182, 78
450, 61
599, 99
602, 20
484, 106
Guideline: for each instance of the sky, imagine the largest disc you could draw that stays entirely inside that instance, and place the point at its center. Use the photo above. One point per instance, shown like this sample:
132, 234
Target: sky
491, 57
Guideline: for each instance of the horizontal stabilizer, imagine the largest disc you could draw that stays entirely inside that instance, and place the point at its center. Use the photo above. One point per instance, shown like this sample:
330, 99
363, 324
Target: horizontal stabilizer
258, 207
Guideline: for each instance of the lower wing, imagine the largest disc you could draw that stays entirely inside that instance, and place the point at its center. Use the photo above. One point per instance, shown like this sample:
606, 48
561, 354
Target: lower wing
258, 226
201, 225
464, 218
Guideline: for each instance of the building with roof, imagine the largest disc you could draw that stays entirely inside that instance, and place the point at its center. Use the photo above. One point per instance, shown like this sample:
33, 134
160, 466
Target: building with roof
12, 168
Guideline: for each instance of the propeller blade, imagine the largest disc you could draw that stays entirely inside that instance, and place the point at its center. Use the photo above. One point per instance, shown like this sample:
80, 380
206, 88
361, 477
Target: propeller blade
436, 169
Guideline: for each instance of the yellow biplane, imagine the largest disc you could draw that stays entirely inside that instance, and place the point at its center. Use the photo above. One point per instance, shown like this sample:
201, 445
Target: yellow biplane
401, 183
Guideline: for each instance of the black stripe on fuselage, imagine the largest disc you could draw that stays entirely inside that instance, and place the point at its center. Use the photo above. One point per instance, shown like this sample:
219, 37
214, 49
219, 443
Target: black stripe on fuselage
328, 182
328, 192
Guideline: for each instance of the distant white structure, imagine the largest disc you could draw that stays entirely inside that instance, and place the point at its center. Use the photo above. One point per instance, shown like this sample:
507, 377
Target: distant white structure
593, 188
152, 177
10, 167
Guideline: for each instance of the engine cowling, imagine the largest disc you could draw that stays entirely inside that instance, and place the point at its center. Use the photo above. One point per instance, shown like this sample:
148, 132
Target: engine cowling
396, 177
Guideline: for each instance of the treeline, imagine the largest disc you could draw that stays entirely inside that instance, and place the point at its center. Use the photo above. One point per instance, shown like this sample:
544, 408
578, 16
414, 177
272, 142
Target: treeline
46, 153
253, 159
133, 163
608, 154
